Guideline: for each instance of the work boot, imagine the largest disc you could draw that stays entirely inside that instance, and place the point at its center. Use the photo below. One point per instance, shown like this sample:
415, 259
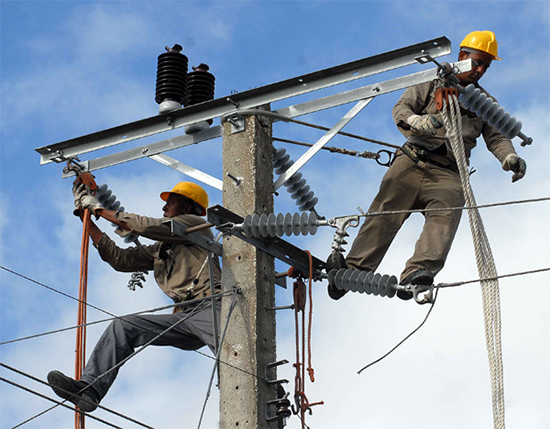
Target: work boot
68, 388
335, 261
419, 277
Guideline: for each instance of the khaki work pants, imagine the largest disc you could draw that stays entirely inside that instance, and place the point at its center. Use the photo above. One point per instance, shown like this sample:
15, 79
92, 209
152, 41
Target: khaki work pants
406, 186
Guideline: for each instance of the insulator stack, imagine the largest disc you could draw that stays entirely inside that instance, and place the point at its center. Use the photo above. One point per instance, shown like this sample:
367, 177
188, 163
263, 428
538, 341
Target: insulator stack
271, 225
200, 85
110, 202
364, 282
295, 185
171, 78
483, 106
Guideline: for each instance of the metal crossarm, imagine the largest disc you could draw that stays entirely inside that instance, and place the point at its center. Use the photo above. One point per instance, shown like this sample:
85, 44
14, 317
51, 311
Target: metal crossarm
248, 99
274, 246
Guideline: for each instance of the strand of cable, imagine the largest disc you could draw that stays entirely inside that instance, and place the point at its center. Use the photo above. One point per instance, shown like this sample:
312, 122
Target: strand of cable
484, 260
364, 154
273, 115
53, 289
468, 207
57, 404
116, 413
122, 362
487, 279
179, 304
80, 351
404, 339
230, 311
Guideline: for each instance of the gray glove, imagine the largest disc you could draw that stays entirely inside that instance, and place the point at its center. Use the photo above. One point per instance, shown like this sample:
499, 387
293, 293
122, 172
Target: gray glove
425, 125
516, 164
88, 201
79, 189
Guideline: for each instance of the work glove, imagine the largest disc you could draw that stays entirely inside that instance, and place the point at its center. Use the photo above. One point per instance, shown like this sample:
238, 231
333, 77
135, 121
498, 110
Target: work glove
79, 189
425, 125
516, 164
90, 202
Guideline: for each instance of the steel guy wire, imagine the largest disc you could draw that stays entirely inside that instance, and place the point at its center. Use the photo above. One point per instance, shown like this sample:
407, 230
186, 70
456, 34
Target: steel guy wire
342, 151
122, 362
404, 339
153, 310
25, 374
57, 403
216, 368
521, 273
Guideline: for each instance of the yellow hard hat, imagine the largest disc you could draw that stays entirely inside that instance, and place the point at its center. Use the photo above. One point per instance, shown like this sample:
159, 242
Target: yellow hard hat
484, 41
189, 190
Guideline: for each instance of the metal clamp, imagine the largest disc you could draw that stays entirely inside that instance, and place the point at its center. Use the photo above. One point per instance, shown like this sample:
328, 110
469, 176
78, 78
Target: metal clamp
417, 290
342, 224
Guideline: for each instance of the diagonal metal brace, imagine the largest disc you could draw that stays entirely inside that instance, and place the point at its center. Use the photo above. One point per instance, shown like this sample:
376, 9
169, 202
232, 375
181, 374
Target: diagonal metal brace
273, 246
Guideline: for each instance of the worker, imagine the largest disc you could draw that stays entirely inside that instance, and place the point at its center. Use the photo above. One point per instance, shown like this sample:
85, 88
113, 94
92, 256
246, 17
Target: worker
435, 184
181, 270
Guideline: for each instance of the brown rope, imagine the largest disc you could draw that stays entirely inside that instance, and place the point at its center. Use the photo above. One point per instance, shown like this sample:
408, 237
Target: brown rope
82, 297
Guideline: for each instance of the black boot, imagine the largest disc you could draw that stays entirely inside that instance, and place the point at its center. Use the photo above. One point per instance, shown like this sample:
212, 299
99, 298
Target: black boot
335, 261
67, 388
420, 277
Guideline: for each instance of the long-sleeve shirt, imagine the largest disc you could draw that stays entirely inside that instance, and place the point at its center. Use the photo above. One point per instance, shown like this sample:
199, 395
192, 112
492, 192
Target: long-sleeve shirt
176, 261
420, 100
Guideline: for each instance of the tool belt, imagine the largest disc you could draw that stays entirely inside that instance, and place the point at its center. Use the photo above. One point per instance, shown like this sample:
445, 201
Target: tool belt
436, 157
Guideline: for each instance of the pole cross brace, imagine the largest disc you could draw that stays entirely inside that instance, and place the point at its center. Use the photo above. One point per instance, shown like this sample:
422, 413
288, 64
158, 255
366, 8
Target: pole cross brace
274, 246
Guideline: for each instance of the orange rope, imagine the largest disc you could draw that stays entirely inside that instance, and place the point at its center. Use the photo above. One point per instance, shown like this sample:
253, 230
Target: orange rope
299, 305
82, 296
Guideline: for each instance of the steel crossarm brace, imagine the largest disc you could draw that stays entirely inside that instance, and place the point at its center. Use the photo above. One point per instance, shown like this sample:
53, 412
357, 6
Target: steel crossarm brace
374, 89
274, 246
148, 150
244, 100
197, 238
342, 98
189, 171
321, 142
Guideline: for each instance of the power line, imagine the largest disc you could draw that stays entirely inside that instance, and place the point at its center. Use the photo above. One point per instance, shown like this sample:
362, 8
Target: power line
445, 285
57, 403
122, 362
182, 304
25, 374
404, 339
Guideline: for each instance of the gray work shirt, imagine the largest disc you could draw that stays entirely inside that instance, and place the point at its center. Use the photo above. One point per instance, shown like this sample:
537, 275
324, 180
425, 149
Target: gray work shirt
420, 100
176, 262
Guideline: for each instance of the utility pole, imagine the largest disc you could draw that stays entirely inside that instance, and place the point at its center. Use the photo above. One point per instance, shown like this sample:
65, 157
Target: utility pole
250, 342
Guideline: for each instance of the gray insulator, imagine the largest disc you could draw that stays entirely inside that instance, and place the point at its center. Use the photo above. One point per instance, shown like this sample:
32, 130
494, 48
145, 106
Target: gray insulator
478, 102
271, 225
364, 282
105, 196
295, 185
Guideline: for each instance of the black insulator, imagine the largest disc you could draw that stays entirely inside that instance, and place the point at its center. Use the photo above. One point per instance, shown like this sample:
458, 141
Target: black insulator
200, 85
171, 76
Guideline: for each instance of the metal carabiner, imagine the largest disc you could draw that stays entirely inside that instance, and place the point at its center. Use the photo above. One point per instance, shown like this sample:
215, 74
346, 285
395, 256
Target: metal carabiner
390, 157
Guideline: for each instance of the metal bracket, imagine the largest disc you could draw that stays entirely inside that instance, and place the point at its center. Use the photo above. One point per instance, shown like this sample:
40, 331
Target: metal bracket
273, 246
237, 122
342, 224
196, 237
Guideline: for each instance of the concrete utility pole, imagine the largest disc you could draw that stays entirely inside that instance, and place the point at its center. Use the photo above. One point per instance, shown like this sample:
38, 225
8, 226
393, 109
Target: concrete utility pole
250, 341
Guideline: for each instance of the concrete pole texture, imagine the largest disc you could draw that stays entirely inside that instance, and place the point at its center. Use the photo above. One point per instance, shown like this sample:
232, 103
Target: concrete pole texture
250, 341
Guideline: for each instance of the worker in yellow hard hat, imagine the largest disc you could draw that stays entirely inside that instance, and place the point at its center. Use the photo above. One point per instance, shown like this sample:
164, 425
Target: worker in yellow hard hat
181, 270
435, 183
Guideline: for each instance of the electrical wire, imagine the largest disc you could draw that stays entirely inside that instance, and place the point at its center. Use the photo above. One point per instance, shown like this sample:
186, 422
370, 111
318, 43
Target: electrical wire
404, 339
25, 374
118, 365
182, 304
57, 404
521, 273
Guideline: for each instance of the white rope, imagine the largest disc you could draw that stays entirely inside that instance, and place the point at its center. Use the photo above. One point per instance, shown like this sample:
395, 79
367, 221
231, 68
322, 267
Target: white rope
485, 264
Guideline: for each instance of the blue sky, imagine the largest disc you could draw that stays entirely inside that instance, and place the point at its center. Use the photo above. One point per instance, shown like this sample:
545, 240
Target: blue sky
70, 68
